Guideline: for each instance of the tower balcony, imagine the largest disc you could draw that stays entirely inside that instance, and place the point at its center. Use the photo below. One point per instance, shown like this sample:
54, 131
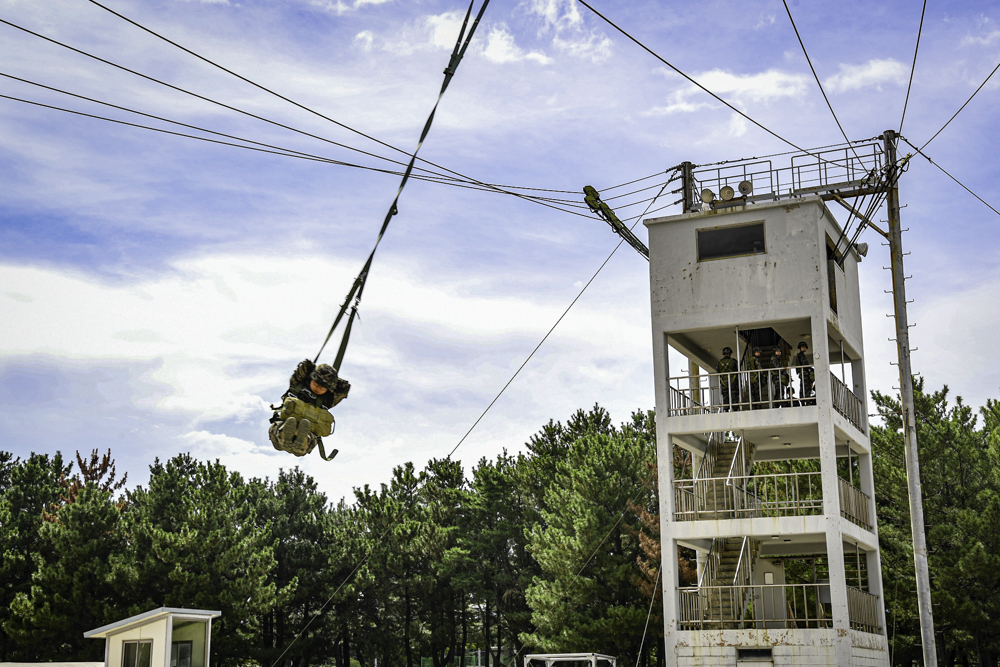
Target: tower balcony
728, 485
756, 390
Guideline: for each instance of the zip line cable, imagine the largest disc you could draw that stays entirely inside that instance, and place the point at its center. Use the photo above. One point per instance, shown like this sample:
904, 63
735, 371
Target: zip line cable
267, 148
703, 88
959, 111
920, 150
551, 329
458, 176
285, 98
648, 614
816, 77
358, 288
913, 67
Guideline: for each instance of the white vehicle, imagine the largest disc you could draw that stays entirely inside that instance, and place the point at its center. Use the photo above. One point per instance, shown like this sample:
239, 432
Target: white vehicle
570, 660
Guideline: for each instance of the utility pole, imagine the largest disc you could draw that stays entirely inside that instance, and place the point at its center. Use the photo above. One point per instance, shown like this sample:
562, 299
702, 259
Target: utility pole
909, 416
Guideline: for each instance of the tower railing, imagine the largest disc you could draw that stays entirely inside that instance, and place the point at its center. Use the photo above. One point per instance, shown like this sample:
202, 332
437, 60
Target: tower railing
847, 403
762, 389
855, 504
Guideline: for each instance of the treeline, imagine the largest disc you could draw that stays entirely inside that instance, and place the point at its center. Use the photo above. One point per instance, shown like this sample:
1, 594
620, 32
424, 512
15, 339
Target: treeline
960, 473
554, 549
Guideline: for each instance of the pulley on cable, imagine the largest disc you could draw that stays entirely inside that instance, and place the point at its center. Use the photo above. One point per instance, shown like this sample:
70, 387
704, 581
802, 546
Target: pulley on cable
303, 419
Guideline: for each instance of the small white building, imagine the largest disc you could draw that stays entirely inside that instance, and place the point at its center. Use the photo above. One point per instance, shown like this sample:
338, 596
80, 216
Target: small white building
164, 637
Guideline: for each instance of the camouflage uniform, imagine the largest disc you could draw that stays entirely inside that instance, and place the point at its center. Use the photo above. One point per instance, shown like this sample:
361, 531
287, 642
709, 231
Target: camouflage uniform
754, 363
729, 383
807, 374
778, 378
296, 435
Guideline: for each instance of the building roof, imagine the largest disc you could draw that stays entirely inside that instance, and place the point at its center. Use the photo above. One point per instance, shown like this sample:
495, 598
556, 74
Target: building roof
146, 617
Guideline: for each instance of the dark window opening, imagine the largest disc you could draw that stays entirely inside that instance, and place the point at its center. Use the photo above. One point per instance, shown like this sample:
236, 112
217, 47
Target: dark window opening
180, 654
732, 241
754, 654
136, 654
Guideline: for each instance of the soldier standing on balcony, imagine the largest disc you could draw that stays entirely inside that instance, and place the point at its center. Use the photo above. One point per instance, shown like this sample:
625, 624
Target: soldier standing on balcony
728, 381
754, 365
807, 374
779, 378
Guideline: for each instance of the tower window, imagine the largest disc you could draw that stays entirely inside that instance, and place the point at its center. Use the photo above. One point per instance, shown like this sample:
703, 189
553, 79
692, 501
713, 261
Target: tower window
731, 241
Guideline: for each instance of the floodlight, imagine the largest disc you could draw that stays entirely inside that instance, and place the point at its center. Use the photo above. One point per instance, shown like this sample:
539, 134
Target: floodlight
862, 249
727, 193
746, 187
707, 196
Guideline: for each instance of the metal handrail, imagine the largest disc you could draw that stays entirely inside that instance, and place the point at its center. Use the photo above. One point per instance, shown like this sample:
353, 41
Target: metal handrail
847, 403
855, 504
715, 441
760, 389
773, 495
773, 606
712, 561
862, 609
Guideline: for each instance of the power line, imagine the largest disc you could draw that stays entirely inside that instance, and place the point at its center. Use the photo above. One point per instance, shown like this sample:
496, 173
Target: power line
920, 150
960, 111
551, 329
265, 148
816, 76
293, 102
269, 121
913, 67
691, 80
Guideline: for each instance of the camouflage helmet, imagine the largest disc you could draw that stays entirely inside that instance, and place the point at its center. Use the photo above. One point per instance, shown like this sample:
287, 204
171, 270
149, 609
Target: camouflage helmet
325, 376
727, 350
756, 350
802, 344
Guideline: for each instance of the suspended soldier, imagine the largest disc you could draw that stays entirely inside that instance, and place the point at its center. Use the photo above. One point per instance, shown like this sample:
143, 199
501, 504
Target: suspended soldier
728, 380
806, 373
303, 418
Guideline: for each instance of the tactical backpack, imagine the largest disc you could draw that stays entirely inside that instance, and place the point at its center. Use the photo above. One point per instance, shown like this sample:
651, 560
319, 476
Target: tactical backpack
320, 418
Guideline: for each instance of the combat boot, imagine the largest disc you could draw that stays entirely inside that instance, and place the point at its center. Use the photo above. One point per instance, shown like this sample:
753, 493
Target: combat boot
288, 431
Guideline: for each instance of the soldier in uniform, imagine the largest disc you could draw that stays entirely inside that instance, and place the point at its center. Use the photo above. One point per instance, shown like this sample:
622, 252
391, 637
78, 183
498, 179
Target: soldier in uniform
729, 382
755, 363
315, 387
806, 373
779, 378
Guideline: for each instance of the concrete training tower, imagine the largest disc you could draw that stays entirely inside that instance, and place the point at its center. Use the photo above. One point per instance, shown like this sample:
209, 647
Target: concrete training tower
777, 498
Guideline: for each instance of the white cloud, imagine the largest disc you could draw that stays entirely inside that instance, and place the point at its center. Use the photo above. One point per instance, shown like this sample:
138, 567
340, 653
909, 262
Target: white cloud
984, 40
365, 39
220, 334
562, 19
338, 6
873, 73
501, 48
736, 88
445, 28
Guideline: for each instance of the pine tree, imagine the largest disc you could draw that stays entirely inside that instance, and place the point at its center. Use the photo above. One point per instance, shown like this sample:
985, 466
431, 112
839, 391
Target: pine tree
26, 489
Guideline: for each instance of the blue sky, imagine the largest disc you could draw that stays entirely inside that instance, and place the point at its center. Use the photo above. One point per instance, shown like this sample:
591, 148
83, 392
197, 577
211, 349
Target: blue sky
156, 291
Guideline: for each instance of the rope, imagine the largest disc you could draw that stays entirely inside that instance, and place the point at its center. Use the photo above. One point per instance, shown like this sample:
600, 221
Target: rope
358, 288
